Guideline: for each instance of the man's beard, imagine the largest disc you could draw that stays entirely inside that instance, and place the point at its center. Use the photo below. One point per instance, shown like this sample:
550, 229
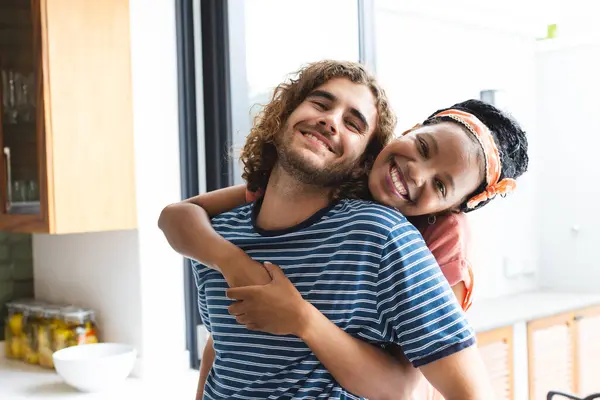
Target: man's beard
304, 171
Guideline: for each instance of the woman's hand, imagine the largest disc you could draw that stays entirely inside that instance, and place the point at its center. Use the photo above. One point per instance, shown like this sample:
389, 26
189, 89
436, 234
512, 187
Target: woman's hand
276, 307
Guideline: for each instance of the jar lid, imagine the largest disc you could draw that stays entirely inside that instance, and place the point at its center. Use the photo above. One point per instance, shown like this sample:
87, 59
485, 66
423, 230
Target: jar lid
15, 306
23, 303
52, 311
35, 308
76, 313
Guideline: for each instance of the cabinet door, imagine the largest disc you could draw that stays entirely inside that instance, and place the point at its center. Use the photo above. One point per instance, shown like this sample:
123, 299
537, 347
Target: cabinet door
89, 115
66, 117
496, 348
21, 118
552, 351
588, 335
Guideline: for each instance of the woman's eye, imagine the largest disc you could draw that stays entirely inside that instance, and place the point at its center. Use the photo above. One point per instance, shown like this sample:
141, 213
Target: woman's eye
440, 186
424, 148
320, 105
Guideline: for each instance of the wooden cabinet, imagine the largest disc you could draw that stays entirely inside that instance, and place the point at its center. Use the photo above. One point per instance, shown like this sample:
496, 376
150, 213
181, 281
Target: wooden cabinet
66, 123
496, 348
587, 331
564, 353
552, 350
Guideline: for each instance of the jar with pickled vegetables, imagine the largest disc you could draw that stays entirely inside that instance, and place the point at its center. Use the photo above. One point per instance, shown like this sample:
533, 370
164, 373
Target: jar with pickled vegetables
32, 320
14, 330
46, 332
77, 326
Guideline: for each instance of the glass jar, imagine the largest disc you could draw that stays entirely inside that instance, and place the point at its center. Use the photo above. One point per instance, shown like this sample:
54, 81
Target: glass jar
14, 330
32, 320
77, 326
46, 332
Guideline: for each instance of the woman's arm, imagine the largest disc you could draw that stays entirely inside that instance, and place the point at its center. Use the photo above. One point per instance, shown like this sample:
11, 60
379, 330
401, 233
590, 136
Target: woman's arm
366, 370
460, 292
219, 201
208, 358
188, 229
359, 367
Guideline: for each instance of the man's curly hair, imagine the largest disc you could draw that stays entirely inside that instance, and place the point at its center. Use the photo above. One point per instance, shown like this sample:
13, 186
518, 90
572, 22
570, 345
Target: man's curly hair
259, 154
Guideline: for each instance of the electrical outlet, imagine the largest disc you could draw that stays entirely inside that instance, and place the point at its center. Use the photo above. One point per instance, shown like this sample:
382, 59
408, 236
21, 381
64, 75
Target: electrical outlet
529, 268
513, 268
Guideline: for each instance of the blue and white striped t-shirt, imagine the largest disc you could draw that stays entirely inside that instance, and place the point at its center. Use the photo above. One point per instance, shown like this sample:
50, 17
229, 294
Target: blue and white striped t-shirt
362, 265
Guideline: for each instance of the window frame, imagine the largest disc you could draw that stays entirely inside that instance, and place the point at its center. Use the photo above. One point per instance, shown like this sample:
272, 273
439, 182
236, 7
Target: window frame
210, 78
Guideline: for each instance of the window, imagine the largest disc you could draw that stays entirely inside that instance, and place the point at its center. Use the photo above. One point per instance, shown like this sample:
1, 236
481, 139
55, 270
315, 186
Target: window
232, 54
270, 39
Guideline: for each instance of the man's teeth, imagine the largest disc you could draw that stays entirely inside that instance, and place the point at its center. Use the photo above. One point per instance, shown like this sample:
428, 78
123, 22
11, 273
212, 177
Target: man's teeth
398, 182
316, 139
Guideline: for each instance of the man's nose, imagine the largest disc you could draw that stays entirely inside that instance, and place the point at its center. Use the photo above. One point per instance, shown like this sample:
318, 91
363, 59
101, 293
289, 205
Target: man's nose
331, 122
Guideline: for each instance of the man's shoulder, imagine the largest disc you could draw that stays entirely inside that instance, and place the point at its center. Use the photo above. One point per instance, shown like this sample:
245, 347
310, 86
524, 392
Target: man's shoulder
237, 222
241, 212
373, 214
375, 210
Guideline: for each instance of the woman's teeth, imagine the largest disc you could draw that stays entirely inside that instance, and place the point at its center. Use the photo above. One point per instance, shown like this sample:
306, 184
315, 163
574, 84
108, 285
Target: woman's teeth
398, 182
317, 140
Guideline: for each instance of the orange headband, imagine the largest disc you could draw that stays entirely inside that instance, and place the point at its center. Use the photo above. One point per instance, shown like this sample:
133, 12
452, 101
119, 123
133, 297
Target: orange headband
493, 167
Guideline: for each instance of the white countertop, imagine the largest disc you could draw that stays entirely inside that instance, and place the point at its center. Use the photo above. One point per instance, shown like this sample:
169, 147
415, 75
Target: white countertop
21, 381
496, 313
567, 43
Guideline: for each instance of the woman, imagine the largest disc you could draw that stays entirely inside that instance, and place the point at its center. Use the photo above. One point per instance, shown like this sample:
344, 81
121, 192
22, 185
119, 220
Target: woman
455, 162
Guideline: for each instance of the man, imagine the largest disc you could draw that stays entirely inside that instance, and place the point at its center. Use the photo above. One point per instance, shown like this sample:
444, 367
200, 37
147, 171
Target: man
358, 263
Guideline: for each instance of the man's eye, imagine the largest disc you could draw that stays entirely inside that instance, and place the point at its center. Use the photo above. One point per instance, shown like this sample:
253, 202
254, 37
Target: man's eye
353, 125
320, 105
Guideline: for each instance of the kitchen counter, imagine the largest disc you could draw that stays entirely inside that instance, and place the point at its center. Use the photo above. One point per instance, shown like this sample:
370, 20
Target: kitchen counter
21, 381
489, 314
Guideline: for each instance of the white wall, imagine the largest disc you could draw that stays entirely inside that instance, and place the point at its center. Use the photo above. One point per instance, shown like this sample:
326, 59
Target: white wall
568, 89
98, 270
132, 278
431, 55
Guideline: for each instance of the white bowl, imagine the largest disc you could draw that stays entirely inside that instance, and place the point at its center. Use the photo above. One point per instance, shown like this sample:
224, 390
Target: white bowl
95, 367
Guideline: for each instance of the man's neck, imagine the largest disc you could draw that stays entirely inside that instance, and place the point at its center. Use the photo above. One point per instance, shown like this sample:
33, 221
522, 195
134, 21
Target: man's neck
287, 202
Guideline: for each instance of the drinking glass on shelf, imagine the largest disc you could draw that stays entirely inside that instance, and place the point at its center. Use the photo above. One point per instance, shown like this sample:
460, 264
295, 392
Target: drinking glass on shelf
32, 94
22, 97
18, 96
33, 193
6, 95
12, 101
18, 82
19, 192
4, 84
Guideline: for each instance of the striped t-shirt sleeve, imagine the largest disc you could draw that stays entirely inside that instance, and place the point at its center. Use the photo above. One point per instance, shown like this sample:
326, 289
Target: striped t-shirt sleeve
416, 304
199, 275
